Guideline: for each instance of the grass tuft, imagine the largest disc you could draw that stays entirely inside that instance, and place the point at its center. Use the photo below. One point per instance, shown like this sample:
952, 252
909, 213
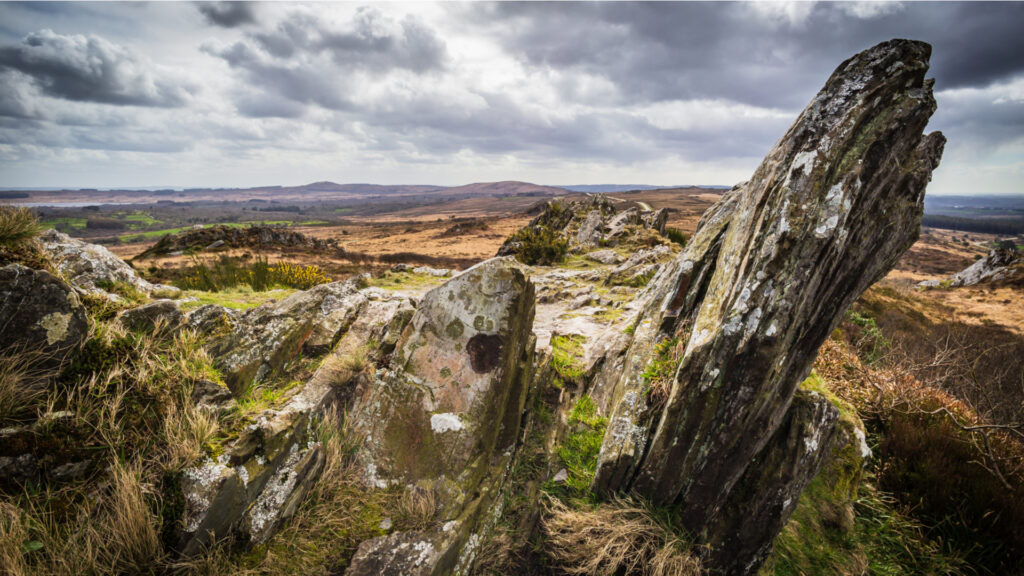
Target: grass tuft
17, 225
616, 537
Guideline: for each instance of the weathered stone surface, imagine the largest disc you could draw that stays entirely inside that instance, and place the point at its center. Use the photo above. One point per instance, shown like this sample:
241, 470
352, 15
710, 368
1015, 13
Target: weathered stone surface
146, 318
250, 345
261, 478
1001, 264
591, 229
767, 276
741, 535
445, 414
91, 267
402, 553
605, 256
40, 311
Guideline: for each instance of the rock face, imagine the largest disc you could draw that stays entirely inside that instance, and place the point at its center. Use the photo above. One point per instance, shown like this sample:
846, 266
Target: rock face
1004, 264
767, 276
89, 267
766, 494
445, 414
232, 237
148, 317
38, 309
247, 346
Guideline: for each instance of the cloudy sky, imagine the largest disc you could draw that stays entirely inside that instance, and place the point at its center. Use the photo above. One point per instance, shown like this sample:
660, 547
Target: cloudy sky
212, 94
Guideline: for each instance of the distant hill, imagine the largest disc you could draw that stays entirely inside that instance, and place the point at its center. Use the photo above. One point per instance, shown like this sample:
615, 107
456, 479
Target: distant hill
505, 188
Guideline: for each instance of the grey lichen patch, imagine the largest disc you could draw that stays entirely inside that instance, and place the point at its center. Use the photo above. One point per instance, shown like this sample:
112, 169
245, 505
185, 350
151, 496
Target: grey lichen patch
56, 326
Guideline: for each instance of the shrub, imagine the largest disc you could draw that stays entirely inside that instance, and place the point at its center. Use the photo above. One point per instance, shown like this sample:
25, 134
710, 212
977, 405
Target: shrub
676, 235
17, 224
259, 275
540, 245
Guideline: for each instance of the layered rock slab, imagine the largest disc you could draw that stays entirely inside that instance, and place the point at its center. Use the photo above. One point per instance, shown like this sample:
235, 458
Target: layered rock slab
445, 414
834, 204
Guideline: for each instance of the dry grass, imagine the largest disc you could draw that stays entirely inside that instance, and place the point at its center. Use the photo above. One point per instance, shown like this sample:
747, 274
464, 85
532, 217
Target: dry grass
187, 430
22, 385
616, 537
417, 508
17, 224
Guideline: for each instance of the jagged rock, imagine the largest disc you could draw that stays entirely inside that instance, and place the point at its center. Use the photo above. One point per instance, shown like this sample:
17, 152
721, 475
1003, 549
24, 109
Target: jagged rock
250, 345
638, 265
591, 230
1001, 264
445, 415
146, 318
620, 224
201, 238
765, 279
91, 267
41, 312
740, 537
211, 395
605, 256
655, 220
439, 272
261, 478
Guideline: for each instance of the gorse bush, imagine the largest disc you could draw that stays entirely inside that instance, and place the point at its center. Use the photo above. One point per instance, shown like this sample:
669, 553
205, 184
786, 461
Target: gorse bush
17, 225
259, 275
540, 245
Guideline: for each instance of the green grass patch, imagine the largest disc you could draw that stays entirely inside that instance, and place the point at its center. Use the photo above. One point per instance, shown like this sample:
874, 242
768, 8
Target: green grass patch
405, 280
582, 445
567, 357
64, 223
237, 298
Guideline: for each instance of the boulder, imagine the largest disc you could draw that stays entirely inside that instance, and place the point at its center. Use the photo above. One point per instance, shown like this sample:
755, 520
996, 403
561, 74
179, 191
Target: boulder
261, 477
605, 256
767, 276
39, 310
91, 267
445, 414
591, 229
148, 317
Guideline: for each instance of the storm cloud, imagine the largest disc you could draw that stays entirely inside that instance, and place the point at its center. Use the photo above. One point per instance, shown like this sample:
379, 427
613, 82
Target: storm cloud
662, 93
227, 14
87, 68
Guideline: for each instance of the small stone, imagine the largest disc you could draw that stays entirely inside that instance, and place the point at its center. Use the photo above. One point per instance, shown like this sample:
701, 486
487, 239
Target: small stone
385, 524
561, 476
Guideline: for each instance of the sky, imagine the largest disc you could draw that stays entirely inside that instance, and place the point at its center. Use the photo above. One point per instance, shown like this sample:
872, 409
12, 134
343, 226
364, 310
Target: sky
102, 95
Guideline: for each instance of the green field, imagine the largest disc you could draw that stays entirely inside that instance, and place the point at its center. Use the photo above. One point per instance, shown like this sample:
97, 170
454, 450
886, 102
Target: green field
64, 223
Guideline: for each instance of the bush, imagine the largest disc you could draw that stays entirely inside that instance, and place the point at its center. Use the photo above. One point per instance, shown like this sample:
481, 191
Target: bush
540, 245
676, 235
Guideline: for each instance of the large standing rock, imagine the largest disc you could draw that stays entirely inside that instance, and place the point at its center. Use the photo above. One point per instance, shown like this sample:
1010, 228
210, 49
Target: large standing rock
828, 212
1000, 264
445, 416
741, 536
91, 267
37, 309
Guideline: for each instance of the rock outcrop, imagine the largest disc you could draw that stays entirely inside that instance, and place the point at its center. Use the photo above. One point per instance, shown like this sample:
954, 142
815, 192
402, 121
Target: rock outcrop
588, 224
1004, 264
40, 312
92, 268
767, 276
234, 237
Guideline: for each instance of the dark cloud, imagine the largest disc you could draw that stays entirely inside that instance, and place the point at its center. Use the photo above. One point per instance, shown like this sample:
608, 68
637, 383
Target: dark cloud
303, 61
90, 69
739, 51
227, 14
